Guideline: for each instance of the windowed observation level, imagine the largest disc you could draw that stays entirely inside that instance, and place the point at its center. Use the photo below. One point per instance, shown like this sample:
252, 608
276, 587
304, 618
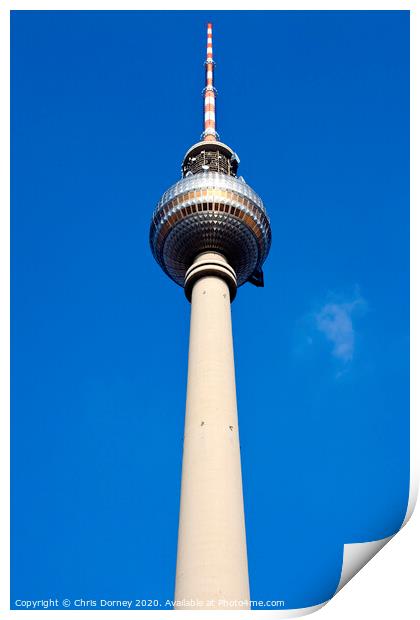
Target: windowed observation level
213, 156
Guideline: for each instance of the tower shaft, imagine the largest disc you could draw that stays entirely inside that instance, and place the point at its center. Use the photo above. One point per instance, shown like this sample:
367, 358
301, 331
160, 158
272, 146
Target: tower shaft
212, 562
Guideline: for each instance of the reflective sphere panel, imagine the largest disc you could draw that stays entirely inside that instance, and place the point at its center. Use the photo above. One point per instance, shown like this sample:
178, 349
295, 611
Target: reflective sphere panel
210, 211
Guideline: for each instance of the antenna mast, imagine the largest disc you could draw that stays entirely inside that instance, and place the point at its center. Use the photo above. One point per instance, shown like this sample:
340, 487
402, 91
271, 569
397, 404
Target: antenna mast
209, 133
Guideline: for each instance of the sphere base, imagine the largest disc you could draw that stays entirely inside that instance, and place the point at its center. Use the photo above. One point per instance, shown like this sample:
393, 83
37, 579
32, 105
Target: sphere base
210, 264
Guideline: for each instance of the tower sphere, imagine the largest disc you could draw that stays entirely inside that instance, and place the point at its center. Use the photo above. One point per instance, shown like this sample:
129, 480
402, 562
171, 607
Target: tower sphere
210, 210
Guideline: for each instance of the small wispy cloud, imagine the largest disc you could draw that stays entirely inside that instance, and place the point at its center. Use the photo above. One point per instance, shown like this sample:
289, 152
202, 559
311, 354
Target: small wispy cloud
333, 321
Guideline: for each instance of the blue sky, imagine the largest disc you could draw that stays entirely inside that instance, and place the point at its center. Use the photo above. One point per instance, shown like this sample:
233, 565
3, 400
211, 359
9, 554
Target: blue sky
104, 106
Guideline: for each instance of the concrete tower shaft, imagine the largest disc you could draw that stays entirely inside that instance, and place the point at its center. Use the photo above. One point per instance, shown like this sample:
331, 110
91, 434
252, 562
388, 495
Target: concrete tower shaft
212, 558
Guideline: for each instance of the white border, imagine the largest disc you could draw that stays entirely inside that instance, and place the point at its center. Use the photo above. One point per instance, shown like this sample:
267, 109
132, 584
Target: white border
398, 574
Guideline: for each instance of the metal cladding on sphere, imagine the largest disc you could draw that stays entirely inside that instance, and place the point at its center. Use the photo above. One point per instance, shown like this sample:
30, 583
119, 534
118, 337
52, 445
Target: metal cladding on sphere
211, 209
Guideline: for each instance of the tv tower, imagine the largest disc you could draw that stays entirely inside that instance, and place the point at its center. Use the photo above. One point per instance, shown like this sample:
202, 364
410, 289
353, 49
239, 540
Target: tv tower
210, 234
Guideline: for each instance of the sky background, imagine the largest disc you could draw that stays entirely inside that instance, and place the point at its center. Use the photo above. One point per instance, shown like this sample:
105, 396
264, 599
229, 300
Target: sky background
104, 106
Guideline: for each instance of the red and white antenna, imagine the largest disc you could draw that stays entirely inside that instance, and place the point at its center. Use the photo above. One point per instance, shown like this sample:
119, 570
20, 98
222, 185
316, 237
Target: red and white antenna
209, 133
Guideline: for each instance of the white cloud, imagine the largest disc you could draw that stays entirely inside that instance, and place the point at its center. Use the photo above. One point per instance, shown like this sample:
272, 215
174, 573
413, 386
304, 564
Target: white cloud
335, 321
